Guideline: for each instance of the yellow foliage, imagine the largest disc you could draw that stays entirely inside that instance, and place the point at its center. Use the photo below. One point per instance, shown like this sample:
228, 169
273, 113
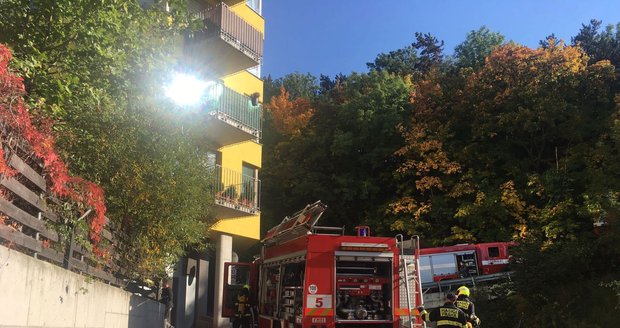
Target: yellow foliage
510, 197
409, 205
461, 189
480, 198
514, 65
404, 205
461, 235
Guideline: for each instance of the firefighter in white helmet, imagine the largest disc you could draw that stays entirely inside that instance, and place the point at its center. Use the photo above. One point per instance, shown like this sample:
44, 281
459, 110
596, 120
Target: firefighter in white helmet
464, 303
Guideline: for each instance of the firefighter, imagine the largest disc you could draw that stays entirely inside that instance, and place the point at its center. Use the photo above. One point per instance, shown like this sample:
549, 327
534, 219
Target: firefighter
466, 305
243, 316
166, 299
447, 315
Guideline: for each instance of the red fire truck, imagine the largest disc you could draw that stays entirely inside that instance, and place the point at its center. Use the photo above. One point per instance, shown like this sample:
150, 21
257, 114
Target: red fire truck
444, 269
317, 277
485, 261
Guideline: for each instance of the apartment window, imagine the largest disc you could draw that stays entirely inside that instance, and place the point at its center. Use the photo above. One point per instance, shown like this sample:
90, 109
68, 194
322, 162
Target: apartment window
213, 158
248, 184
256, 5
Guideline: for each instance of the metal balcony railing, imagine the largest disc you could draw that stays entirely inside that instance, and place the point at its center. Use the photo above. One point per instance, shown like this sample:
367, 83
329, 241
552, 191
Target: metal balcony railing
235, 190
234, 108
222, 22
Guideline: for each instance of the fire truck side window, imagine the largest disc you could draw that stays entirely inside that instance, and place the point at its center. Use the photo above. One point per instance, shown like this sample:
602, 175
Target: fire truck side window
269, 290
293, 274
426, 272
238, 275
443, 265
493, 251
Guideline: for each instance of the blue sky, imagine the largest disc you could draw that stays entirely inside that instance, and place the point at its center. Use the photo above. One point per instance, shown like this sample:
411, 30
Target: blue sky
341, 36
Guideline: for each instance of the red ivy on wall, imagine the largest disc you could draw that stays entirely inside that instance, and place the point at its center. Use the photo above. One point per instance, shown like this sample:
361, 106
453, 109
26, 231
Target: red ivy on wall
14, 113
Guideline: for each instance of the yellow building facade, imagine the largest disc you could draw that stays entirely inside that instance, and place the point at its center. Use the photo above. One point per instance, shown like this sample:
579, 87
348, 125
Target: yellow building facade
228, 52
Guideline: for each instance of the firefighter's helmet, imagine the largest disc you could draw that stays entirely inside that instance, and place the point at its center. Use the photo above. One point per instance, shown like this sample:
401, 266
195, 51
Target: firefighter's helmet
463, 291
246, 287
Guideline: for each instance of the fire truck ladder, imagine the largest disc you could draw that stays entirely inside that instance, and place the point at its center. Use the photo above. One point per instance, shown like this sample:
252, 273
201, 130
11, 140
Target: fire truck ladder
301, 223
414, 251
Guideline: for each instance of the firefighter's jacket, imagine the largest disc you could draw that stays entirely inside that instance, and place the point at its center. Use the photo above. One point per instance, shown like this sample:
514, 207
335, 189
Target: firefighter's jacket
466, 305
446, 316
243, 304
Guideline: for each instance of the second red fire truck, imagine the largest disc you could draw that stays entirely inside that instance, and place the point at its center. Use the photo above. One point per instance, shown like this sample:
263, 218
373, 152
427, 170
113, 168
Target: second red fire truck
482, 261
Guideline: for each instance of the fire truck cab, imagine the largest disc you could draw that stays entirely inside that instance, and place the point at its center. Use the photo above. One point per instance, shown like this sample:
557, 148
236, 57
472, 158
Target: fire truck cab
311, 276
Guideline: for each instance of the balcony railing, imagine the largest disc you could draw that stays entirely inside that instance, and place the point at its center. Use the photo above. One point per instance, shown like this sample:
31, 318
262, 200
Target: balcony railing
235, 109
222, 22
228, 2
236, 191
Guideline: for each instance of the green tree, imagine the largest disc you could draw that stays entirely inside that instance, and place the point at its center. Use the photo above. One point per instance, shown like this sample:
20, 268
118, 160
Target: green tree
401, 61
418, 58
296, 84
476, 47
599, 44
343, 155
96, 68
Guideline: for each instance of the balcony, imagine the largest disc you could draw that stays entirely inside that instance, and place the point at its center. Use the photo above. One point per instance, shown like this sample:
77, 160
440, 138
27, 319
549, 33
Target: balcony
228, 2
235, 194
227, 43
230, 117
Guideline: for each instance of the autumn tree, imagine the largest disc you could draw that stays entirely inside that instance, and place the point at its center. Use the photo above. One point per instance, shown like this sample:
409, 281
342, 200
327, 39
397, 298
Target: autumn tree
505, 134
289, 117
511, 153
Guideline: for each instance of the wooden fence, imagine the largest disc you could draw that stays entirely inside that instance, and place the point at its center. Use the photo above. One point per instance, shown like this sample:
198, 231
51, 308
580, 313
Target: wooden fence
27, 220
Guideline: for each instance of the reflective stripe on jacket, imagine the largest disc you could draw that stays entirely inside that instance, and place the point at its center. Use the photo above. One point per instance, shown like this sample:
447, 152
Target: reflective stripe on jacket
465, 304
446, 316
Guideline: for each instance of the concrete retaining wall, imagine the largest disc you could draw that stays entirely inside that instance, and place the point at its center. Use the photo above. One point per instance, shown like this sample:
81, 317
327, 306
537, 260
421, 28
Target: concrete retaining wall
34, 293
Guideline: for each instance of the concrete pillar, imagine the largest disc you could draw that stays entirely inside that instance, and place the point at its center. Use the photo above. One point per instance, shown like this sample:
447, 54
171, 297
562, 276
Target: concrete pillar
190, 292
203, 285
185, 291
223, 253
202, 301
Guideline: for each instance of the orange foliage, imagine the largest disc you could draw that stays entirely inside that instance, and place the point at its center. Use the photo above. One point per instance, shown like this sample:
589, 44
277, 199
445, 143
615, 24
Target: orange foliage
424, 154
14, 114
289, 117
426, 163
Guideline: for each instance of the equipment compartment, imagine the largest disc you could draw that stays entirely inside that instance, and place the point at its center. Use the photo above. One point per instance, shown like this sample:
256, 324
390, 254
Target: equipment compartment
364, 290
